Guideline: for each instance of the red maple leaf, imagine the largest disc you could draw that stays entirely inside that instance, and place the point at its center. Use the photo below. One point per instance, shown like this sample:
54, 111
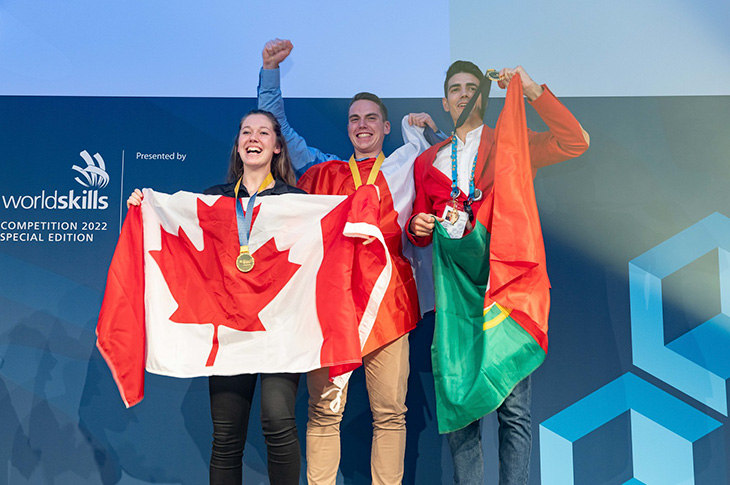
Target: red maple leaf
206, 284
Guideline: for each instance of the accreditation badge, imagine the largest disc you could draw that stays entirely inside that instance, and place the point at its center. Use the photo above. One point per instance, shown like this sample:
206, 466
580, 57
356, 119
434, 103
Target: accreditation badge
454, 221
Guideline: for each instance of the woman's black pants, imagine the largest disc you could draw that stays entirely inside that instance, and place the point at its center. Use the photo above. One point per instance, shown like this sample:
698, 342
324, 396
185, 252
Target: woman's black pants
230, 406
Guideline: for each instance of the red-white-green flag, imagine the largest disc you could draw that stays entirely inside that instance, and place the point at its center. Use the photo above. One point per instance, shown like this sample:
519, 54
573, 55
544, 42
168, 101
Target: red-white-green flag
492, 288
176, 305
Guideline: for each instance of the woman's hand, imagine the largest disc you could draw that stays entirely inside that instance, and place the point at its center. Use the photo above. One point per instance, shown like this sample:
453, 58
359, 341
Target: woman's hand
135, 198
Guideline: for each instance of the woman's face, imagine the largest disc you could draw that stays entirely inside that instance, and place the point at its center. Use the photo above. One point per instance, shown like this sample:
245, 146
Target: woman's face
257, 142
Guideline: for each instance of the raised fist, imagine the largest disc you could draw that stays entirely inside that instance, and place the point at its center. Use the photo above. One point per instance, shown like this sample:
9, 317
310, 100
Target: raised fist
276, 51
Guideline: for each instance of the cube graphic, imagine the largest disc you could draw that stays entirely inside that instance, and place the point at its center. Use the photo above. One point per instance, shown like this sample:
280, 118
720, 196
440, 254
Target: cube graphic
665, 435
698, 362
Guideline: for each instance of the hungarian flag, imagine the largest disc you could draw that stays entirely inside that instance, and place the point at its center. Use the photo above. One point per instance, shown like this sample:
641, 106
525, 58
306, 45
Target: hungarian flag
175, 303
492, 287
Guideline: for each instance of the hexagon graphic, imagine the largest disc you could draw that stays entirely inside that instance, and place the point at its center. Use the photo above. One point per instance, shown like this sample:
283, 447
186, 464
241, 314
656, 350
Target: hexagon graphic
667, 436
698, 362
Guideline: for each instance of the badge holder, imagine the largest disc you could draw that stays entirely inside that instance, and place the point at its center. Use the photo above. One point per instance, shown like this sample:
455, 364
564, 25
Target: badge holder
454, 222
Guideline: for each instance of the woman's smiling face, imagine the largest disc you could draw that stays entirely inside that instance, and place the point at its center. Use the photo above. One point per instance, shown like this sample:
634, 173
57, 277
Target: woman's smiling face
257, 141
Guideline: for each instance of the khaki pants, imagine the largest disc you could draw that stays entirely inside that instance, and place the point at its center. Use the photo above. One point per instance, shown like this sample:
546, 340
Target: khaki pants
386, 378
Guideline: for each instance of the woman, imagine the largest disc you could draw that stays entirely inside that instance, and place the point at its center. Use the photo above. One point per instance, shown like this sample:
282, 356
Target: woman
259, 151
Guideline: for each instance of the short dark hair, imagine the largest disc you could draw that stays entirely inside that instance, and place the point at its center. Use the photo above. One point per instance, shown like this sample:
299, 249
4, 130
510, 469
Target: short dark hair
467, 67
371, 97
281, 167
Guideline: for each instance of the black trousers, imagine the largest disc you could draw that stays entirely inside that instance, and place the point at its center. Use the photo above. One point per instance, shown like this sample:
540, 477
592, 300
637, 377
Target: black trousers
230, 406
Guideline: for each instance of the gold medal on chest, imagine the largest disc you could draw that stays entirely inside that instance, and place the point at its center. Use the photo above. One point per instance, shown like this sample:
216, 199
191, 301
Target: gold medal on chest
244, 262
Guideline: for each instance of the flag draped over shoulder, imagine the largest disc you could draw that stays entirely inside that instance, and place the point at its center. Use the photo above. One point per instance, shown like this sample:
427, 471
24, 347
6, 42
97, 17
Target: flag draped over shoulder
399, 311
176, 305
492, 288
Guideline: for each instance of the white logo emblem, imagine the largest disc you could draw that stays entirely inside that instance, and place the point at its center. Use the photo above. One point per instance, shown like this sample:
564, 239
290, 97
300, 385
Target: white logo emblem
94, 174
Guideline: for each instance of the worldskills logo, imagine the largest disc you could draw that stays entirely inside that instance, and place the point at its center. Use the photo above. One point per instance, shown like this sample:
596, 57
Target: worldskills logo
93, 176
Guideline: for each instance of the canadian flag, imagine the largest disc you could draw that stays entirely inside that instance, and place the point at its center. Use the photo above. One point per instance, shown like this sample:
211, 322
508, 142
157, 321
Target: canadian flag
175, 304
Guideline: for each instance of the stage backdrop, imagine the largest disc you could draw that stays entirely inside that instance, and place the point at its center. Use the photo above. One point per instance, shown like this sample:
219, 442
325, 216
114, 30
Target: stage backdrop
637, 232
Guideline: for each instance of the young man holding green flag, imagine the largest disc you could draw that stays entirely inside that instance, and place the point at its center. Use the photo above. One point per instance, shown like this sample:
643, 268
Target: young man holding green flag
475, 201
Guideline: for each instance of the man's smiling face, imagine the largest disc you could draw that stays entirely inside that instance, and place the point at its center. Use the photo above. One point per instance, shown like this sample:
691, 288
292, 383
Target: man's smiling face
460, 89
366, 128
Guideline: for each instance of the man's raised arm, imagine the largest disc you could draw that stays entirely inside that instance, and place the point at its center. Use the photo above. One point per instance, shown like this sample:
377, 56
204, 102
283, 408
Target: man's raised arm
270, 99
566, 137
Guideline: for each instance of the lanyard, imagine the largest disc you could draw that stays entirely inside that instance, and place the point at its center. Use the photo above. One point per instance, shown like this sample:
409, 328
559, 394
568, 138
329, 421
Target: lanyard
455, 173
485, 85
245, 261
373, 171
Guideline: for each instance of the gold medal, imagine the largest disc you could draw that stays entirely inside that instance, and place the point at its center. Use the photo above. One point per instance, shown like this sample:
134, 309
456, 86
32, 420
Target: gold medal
492, 75
244, 262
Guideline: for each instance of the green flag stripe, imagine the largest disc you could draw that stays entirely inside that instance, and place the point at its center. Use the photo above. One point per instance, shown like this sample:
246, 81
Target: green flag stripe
474, 369
474, 377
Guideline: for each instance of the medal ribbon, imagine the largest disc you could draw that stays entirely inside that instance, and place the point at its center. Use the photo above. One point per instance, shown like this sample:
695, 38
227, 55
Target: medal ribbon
485, 85
244, 221
373, 171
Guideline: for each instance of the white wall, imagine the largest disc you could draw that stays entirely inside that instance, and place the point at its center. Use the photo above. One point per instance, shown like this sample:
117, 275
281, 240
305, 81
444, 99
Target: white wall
396, 49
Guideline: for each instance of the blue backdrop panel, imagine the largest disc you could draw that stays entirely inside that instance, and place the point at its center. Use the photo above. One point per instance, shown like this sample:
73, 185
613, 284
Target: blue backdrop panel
636, 239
